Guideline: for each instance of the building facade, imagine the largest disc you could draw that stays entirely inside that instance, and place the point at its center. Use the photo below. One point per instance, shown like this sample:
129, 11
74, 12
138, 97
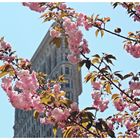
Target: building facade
53, 61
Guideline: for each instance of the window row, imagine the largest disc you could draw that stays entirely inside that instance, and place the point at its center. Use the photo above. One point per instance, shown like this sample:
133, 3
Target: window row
68, 84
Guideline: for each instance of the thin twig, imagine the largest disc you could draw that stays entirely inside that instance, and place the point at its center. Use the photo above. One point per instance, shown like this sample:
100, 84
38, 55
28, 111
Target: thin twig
95, 135
111, 81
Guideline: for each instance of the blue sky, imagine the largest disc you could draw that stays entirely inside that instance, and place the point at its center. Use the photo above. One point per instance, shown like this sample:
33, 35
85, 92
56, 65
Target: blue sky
24, 30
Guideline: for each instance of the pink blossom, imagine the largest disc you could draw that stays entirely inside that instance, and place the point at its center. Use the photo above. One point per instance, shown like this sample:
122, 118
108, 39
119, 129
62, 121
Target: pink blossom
4, 46
98, 102
85, 48
6, 83
113, 119
134, 50
103, 105
136, 92
137, 16
56, 88
119, 119
133, 107
42, 120
86, 23
66, 22
59, 114
96, 85
5, 49
110, 124
133, 134
119, 105
62, 6
54, 33
27, 82
73, 59
128, 124
80, 19
21, 94
74, 107
134, 85
37, 105
20, 101
35, 6
8, 58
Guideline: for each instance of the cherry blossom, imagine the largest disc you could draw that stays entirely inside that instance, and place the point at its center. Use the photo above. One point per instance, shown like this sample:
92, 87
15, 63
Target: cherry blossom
54, 33
60, 115
27, 91
134, 50
35, 6
98, 102
119, 105
134, 85
96, 85
73, 59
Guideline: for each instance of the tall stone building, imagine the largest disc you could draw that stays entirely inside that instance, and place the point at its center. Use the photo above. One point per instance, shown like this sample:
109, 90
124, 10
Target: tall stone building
53, 61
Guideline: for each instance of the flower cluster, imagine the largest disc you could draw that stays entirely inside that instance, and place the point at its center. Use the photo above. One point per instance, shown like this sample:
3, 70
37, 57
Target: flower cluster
99, 103
133, 8
134, 85
137, 14
119, 105
22, 93
28, 90
35, 6
134, 50
56, 112
75, 40
5, 51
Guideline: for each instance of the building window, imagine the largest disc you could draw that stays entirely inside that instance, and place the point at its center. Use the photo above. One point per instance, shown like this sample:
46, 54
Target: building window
44, 67
67, 70
66, 55
62, 85
50, 130
38, 134
71, 84
61, 70
67, 85
68, 95
62, 57
48, 133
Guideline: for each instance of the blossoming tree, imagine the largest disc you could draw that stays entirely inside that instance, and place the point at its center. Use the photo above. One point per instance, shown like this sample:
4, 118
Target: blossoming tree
29, 90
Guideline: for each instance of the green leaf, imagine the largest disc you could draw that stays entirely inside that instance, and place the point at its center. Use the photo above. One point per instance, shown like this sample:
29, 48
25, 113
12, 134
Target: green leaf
67, 133
110, 56
55, 130
89, 108
36, 114
80, 64
88, 64
97, 32
114, 96
119, 76
108, 88
47, 99
128, 75
96, 55
102, 33
88, 77
65, 102
115, 4
57, 42
3, 74
61, 94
